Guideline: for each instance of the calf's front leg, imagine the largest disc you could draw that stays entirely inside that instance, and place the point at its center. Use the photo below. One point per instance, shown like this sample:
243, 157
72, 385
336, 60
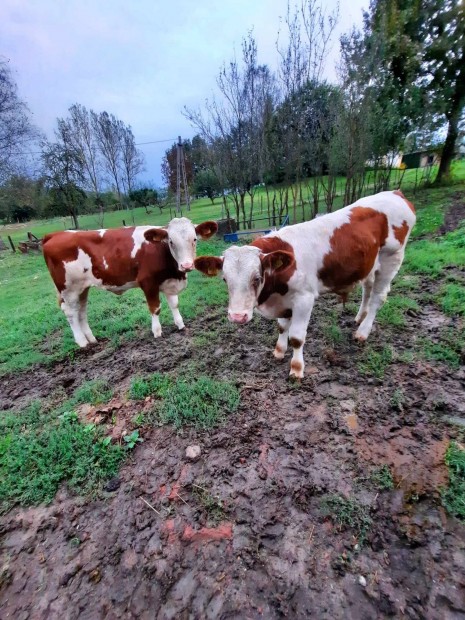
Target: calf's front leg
301, 314
281, 345
173, 303
152, 295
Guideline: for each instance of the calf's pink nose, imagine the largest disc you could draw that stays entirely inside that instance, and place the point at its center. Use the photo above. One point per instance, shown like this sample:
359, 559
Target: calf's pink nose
238, 317
187, 266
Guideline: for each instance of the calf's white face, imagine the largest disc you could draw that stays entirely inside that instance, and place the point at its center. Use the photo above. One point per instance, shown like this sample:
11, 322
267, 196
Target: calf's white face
244, 271
181, 236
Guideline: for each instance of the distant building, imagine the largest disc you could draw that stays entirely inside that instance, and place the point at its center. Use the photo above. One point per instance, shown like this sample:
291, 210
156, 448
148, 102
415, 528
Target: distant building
421, 159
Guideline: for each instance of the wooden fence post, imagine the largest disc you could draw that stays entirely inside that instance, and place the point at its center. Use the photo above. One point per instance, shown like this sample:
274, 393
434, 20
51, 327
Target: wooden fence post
11, 243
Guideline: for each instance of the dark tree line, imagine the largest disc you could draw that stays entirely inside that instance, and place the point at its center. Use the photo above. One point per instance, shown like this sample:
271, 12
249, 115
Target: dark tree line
400, 78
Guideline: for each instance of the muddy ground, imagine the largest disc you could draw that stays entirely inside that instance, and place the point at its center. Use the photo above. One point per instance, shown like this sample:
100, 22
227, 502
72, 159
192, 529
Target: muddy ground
264, 547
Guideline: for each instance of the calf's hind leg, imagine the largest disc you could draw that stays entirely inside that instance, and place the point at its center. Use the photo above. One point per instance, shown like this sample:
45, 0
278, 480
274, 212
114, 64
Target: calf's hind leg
71, 305
367, 287
83, 317
281, 345
388, 267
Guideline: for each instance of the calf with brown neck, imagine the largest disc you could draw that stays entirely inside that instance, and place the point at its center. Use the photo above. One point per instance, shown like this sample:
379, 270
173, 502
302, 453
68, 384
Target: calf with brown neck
155, 259
281, 275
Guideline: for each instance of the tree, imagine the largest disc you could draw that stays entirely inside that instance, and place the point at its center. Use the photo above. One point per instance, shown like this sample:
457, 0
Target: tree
84, 141
109, 131
65, 173
132, 161
233, 125
206, 183
444, 68
144, 197
16, 130
21, 198
421, 62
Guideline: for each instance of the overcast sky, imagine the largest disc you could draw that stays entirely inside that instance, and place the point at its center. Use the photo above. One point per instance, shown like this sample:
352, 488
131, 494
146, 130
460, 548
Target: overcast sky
142, 60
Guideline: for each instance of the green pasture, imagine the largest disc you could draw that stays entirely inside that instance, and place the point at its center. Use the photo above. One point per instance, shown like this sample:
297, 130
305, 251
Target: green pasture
45, 445
203, 209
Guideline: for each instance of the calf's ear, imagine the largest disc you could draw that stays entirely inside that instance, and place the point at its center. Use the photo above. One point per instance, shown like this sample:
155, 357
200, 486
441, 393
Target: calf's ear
209, 265
156, 234
206, 229
277, 261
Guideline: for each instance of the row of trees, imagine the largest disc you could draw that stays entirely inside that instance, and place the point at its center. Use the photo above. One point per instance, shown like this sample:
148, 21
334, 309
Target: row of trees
400, 78
91, 154
91, 151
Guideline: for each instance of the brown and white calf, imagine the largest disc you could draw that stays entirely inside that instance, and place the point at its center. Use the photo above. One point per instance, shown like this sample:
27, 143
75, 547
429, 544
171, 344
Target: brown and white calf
156, 259
283, 273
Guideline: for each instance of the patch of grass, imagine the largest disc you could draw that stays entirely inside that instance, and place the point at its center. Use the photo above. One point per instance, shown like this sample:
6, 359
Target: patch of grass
94, 392
40, 450
382, 478
333, 334
141, 387
348, 513
449, 350
430, 216
453, 498
452, 299
202, 402
404, 283
430, 257
394, 310
374, 363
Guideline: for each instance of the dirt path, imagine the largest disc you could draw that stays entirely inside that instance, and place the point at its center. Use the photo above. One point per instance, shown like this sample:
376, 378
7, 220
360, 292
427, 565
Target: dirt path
242, 532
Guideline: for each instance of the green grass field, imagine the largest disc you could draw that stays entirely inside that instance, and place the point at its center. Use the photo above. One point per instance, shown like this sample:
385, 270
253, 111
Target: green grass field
33, 330
200, 210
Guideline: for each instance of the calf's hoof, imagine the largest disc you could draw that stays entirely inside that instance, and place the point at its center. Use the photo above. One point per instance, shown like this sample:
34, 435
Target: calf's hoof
181, 327
157, 334
359, 337
297, 371
279, 353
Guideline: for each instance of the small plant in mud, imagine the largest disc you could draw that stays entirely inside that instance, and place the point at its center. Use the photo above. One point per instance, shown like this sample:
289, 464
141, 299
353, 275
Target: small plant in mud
453, 498
347, 513
139, 419
398, 399
93, 392
132, 440
374, 363
212, 506
381, 477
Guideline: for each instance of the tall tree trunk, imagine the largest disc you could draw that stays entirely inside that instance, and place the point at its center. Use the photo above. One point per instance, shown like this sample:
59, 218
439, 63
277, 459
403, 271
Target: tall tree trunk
242, 202
449, 145
75, 220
